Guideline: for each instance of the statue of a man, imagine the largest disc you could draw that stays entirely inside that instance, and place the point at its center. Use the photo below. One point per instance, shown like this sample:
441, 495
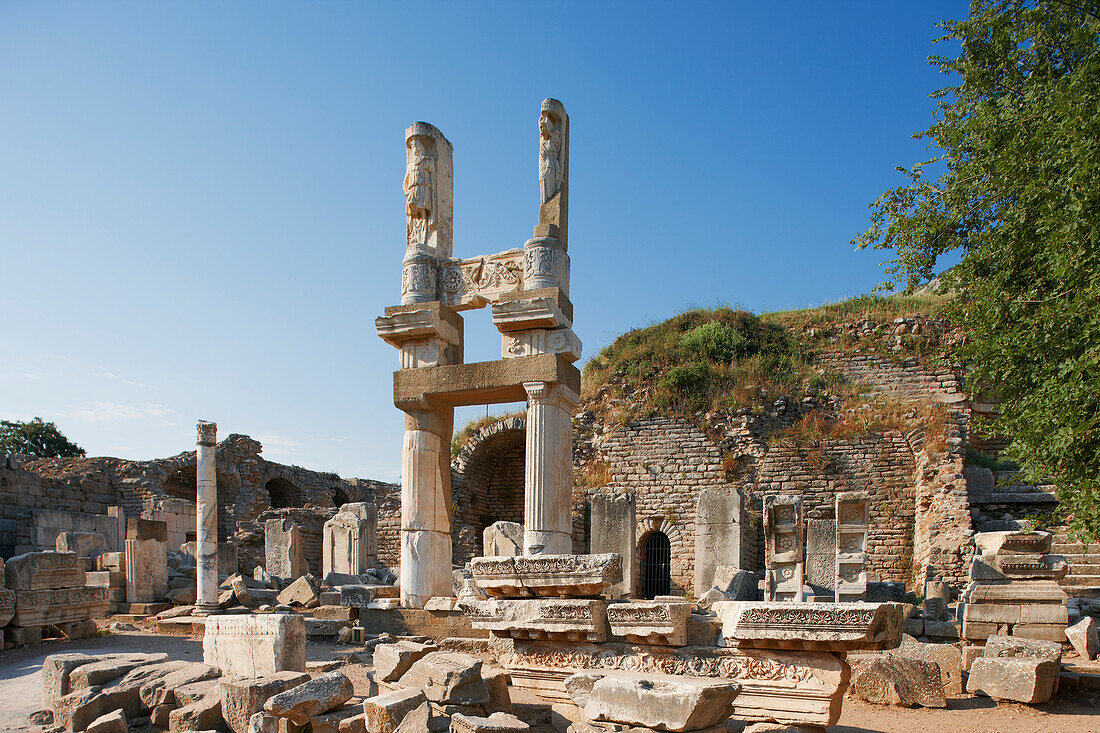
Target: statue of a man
418, 190
550, 173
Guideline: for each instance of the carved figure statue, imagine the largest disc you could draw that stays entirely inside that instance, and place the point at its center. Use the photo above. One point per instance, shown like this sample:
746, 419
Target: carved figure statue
550, 167
419, 177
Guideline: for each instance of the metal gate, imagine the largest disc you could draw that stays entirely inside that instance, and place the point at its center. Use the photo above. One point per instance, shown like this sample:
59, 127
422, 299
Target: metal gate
656, 566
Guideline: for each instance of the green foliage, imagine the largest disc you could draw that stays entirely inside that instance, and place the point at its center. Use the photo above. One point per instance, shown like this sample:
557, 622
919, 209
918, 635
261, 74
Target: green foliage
715, 341
36, 438
1014, 188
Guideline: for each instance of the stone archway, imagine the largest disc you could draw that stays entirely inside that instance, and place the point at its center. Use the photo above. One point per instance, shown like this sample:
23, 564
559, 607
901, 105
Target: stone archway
487, 483
656, 570
282, 493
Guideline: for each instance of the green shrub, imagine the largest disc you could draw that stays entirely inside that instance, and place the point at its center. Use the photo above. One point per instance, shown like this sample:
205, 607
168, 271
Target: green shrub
715, 341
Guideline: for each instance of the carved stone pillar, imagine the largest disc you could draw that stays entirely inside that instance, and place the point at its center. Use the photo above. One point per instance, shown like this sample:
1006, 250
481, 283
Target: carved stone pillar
548, 474
545, 264
206, 531
417, 278
426, 506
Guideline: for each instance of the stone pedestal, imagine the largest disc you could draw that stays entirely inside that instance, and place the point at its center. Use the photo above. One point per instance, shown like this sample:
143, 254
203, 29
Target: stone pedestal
350, 545
284, 550
206, 518
548, 475
614, 530
146, 560
426, 507
255, 645
719, 518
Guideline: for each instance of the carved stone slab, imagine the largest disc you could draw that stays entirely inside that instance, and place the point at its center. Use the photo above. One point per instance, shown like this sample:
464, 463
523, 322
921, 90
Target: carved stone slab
995, 543
784, 546
565, 619
44, 570
824, 626
650, 622
851, 545
562, 341
255, 645
7, 606
793, 687
478, 281
58, 605
1000, 567
1018, 591
546, 575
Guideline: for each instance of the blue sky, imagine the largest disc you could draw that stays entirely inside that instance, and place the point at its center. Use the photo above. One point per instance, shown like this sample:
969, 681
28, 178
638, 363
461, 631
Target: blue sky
201, 208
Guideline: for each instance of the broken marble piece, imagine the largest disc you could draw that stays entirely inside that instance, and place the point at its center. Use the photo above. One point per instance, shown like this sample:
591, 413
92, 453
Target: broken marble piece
889, 679
317, 696
503, 539
663, 702
391, 661
386, 711
302, 592
1083, 637
1020, 679
284, 550
1013, 543
44, 571
244, 697
495, 723
547, 575
791, 625
255, 645
650, 622
448, 677
570, 619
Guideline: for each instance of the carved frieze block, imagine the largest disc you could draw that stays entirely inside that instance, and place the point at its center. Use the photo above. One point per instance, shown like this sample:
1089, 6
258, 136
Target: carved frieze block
541, 341
567, 619
546, 575
650, 622
824, 626
478, 281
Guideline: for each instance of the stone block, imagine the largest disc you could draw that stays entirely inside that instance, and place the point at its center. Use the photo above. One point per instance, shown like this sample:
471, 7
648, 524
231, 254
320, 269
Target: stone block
391, 661
447, 677
384, 713
574, 619
362, 595
1010, 567
146, 529
495, 723
1013, 543
244, 697
77, 709
496, 682
44, 571
418, 720
897, 680
182, 686
440, 603
204, 714
503, 539
56, 669
941, 629
947, 656
284, 550
84, 544
1015, 592
821, 554
1026, 680
350, 544
302, 592
934, 609
1011, 646
109, 667
663, 702
1083, 636
325, 626
650, 622
146, 568
317, 696
547, 575
719, 518
7, 606
827, 626
113, 722
348, 717
58, 606
613, 521
342, 613
255, 645
737, 584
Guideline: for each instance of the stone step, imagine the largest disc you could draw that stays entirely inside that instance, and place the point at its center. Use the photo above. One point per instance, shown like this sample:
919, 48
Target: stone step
1079, 580
1074, 548
1037, 497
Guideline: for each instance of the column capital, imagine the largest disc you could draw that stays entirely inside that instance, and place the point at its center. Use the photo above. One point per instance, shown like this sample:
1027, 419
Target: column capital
207, 432
551, 393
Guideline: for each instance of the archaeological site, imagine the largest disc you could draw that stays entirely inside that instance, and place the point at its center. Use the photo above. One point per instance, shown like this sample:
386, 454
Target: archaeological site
721, 522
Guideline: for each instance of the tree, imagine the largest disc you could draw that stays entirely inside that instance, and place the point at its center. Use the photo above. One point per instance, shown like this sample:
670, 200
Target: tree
36, 438
1014, 188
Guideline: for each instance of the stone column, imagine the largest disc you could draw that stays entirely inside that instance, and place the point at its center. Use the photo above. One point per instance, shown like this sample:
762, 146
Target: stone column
548, 474
206, 513
426, 506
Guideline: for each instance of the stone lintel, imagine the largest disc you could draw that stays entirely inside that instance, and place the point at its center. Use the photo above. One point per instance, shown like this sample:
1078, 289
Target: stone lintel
480, 383
403, 323
555, 295
824, 626
546, 575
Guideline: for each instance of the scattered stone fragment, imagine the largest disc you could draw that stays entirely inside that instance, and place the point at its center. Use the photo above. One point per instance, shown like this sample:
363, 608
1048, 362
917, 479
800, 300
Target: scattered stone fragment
109, 668
262, 722
1013, 646
947, 656
664, 702
56, 669
496, 682
890, 679
302, 592
299, 704
41, 717
1083, 636
201, 715
447, 677
393, 660
495, 723
1020, 679
350, 713
385, 712
579, 686
159, 716
166, 689
114, 722
418, 720
240, 589
244, 698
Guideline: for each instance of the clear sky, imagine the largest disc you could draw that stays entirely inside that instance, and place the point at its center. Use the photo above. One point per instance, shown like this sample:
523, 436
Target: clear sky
201, 210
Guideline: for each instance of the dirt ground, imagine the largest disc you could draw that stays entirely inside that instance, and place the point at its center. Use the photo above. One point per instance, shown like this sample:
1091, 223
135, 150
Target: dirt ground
1076, 712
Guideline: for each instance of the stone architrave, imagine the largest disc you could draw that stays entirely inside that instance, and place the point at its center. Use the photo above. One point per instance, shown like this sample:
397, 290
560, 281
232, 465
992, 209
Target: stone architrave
284, 550
43, 571
661, 702
255, 645
426, 507
650, 622
719, 519
146, 560
799, 625
613, 530
503, 539
852, 513
206, 521
429, 210
350, 545
548, 474
58, 606
557, 576
567, 619
784, 545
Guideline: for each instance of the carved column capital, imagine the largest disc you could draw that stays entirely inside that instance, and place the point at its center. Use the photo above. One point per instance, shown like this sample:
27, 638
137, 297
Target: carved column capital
207, 432
552, 394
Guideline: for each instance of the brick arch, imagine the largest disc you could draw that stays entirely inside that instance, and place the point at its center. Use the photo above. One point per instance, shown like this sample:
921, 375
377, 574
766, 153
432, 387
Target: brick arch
648, 525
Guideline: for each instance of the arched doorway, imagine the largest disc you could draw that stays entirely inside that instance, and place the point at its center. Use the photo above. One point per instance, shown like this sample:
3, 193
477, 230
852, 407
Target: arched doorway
282, 493
656, 565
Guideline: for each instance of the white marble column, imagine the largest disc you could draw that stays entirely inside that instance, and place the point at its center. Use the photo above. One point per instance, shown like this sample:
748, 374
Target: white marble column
548, 470
206, 511
426, 507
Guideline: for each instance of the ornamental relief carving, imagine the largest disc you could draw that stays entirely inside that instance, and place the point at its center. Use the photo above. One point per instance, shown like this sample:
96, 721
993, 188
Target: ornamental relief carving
856, 619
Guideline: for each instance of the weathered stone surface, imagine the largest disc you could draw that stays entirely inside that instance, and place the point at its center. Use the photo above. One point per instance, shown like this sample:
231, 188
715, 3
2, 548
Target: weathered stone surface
897, 680
1016, 591
784, 544
341, 613
262, 722
255, 645
661, 701
317, 696
447, 677
793, 625
821, 554
495, 723
84, 544
78, 708
109, 667
146, 570
325, 626
240, 589
850, 541
719, 518
44, 571
1016, 613
113, 722
1027, 680
159, 715
736, 584
56, 669
418, 720
284, 549
1012, 646
361, 595
7, 606
1013, 543
391, 661
59, 606
192, 692
575, 619
503, 539
174, 686
350, 544
385, 712
138, 528
947, 656
1011, 566
547, 575
1083, 636
203, 714
302, 592
496, 682
650, 622
347, 718
613, 526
